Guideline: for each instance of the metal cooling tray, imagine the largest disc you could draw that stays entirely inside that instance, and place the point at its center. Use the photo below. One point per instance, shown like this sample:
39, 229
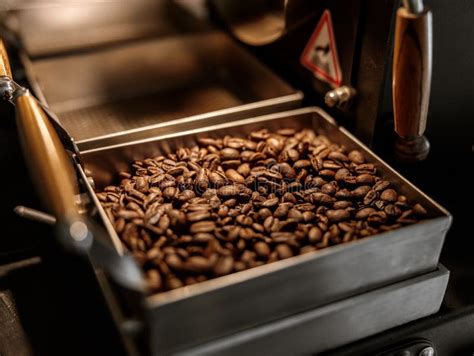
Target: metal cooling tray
196, 314
100, 95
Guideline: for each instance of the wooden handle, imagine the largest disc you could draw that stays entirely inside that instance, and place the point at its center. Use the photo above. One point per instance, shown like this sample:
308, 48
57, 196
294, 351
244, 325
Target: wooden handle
50, 167
5, 70
411, 72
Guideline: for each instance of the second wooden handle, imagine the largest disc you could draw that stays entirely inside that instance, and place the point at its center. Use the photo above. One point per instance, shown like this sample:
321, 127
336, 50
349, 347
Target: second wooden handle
411, 72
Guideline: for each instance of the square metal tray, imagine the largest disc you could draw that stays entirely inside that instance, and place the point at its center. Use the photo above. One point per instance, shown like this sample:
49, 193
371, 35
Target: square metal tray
102, 95
194, 314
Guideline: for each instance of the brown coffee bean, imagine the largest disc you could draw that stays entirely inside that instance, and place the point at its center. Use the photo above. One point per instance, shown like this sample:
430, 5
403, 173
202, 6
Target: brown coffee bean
389, 195
281, 211
198, 215
356, 156
224, 266
296, 215
315, 234
302, 163
197, 264
392, 210
308, 216
270, 203
229, 154
202, 226
327, 173
328, 189
321, 198
381, 185
283, 251
262, 249
234, 176
342, 204
365, 179
338, 156
361, 191
338, 215
186, 195
370, 197
364, 213
244, 169
228, 191
154, 279
170, 192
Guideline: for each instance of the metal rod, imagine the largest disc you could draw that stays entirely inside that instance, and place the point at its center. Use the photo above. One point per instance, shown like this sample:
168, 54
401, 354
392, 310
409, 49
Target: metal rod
414, 7
34, 215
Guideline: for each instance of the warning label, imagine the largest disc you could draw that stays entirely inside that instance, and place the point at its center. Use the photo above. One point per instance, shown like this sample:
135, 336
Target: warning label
320, 53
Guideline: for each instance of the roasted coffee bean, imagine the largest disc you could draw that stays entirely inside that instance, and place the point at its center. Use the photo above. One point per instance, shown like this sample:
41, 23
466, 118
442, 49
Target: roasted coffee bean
283, 251
361, 191
281, 211
392, 210
338, 215
202, 226
198, 215
229, 153
365, 179
338, 156
295, 215
224, 266
321, 198
270, 203
308, 216
342, 174
170, 192
315, 234
356, 157
303, 163
342, 204
228, 191
217, 179
389, 195
230, 204
364, 213
186, 195
381, 185
234, 176
262, 249
244, 169
329, 189
370, 197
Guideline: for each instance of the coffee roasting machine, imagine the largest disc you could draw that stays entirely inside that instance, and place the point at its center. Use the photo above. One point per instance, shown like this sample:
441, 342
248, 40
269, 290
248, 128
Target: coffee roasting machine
97, 85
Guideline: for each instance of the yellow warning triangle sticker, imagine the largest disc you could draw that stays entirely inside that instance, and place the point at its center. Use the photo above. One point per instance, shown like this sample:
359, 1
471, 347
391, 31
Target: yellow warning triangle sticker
320, 53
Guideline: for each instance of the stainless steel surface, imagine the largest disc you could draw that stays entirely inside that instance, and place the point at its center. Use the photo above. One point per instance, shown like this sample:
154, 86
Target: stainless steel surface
77, 25
413, 6
338, 323
102, 94
241, 300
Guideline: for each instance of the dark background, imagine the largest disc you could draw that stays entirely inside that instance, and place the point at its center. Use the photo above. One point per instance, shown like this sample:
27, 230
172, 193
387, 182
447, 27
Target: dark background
52, 295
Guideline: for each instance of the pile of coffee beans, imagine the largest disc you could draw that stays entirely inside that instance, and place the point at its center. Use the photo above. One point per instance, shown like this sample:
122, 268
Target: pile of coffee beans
230, 204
